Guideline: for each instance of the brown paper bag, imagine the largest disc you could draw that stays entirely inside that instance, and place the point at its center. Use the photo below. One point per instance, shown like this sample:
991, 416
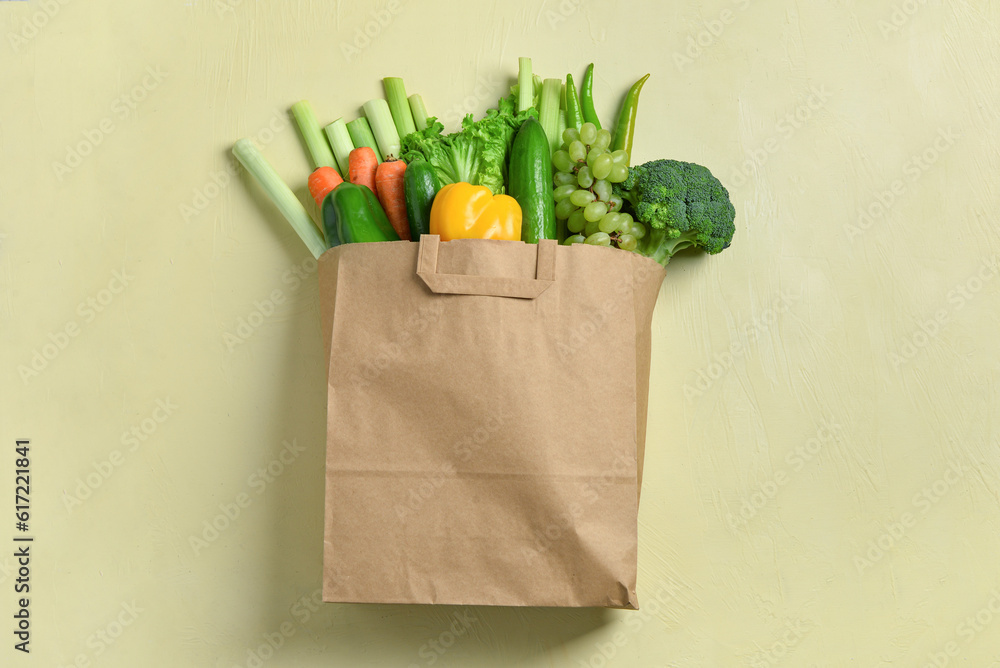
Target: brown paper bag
486, 421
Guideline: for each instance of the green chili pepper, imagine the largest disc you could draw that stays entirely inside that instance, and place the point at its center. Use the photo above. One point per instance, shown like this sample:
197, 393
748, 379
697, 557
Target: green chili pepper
626, 118
574, 118
587, 98
352, 214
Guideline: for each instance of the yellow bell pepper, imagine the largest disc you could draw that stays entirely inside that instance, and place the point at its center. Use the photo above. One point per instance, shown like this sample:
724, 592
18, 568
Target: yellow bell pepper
465, 211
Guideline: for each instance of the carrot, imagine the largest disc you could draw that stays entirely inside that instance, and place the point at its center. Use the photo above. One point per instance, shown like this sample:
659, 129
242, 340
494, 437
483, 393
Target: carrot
361, 165
322, 181
389, 184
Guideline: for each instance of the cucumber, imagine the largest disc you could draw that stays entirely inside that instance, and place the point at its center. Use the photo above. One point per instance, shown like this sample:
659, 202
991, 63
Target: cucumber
530, 182
420, 185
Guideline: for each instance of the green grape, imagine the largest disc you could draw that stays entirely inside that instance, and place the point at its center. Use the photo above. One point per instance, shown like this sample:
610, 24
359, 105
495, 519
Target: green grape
563, 209
602, 189
594, 154
581, 198
576, 221
608, 223
588, 133
627, 242
584, 177
570, 135
638, 230
620, 157
562, 192
618, 174
592, 227
563, 179
596, 211
575, 239
624, 225
615, 203
603, 139
562, 162
602, 166
577, 151
627, 216
598, 239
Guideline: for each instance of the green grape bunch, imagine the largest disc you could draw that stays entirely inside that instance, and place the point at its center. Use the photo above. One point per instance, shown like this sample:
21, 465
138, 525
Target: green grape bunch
585, 170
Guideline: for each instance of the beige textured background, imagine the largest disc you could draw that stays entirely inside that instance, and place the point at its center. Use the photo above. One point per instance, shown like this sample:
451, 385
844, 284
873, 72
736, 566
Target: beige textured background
822, 471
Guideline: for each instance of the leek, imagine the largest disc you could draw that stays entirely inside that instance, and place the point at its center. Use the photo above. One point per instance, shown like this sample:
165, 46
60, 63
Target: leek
419, 111
361, 135
395, 95
319, 151
282, 196
383, 128
340, 140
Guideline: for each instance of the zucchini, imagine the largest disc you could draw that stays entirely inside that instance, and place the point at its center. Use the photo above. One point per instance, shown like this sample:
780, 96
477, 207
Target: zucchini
420, 185
530, 182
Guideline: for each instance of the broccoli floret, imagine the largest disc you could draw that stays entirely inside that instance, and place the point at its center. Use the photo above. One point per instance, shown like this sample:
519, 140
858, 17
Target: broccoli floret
683, 204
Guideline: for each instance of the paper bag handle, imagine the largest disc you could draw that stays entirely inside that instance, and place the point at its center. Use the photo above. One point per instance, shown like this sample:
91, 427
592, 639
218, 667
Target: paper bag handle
493, 286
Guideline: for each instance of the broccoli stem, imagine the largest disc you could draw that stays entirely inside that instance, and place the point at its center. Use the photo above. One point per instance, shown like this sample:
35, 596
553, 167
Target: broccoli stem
661, 248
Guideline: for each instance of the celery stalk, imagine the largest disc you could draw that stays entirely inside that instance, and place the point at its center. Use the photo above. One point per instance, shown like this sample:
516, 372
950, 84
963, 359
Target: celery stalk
395, 95
525, 84
548, 112
561, 127
361, 135
319, 151
383, 128
419, 111
282, 196
340, 140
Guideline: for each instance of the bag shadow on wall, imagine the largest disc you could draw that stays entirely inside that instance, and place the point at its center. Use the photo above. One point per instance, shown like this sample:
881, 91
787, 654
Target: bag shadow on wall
406, 634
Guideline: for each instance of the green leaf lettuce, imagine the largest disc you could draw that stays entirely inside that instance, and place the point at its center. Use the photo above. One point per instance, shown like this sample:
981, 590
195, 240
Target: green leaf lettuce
478, 154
